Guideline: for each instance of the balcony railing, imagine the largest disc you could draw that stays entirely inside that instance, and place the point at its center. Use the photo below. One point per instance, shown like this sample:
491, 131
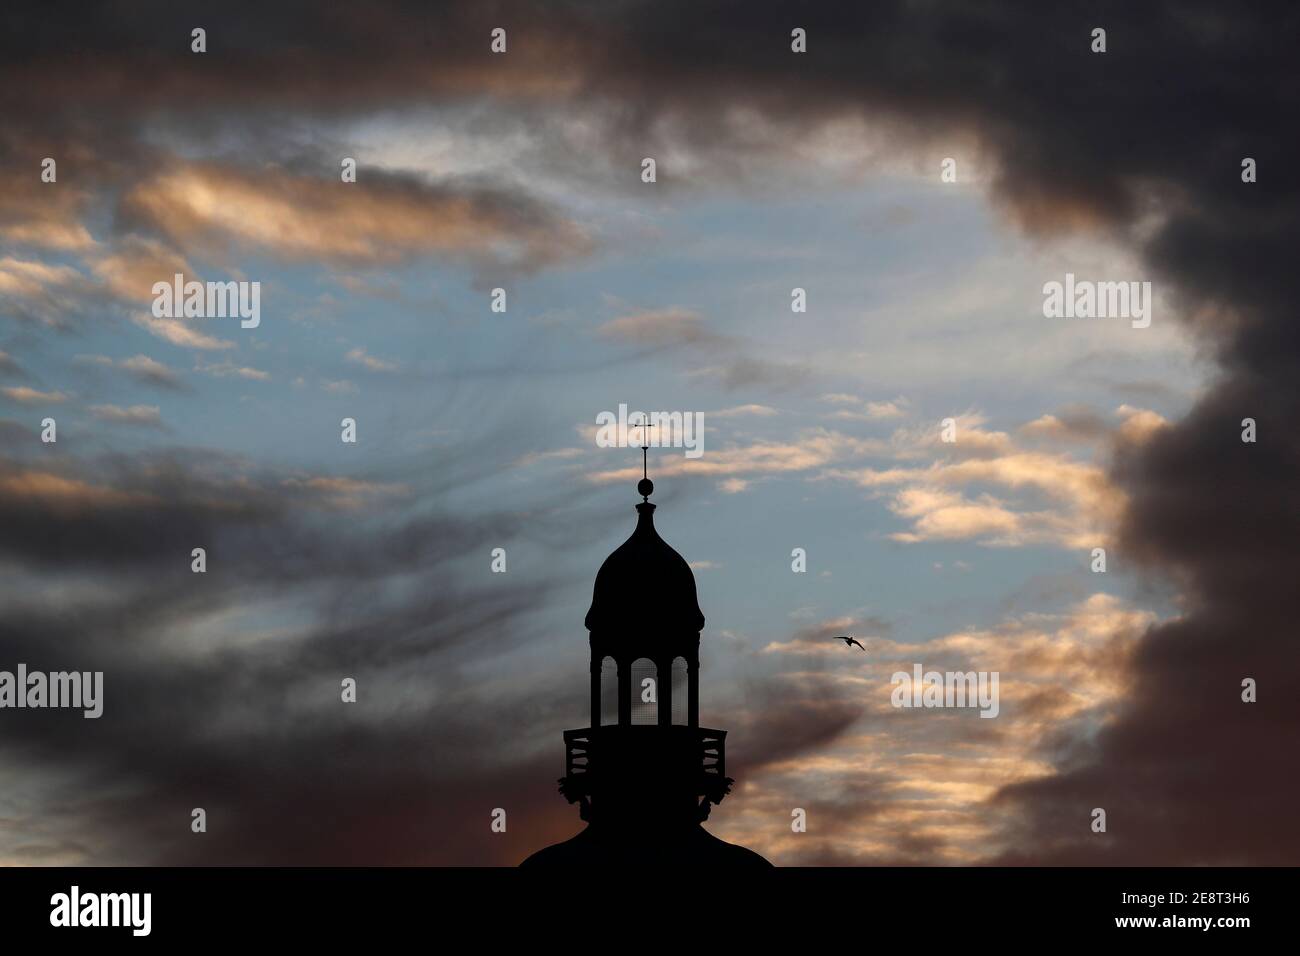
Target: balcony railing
677, 745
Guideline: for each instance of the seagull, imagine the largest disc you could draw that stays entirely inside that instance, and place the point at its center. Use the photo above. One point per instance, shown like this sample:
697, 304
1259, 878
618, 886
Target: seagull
848, 641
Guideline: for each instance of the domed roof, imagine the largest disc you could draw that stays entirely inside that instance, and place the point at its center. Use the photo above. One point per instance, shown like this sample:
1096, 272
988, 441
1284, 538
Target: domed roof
645, 585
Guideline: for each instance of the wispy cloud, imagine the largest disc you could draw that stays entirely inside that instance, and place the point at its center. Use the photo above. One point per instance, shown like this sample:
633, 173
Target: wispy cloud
852, 408
180, 333
359, 356
813, 448
203, 207
663, 327
150, 371
147, 415
229, 369
32, 396
1058, 499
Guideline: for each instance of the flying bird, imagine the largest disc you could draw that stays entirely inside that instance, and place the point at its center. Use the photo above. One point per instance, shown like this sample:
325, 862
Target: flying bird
848, 641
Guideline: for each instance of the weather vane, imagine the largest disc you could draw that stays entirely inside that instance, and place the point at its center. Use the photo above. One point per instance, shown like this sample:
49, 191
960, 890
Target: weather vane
645, 487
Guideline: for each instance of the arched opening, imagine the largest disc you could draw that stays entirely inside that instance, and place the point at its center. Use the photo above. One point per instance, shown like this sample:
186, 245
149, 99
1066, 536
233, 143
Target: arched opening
608, 691
645, 691
680, 691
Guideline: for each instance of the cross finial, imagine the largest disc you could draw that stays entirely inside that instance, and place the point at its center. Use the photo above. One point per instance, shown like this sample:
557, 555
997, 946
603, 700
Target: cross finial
645, 487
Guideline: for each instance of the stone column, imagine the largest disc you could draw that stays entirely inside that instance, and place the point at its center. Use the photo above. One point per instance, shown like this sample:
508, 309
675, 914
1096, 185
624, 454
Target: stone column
664, 689
624, 691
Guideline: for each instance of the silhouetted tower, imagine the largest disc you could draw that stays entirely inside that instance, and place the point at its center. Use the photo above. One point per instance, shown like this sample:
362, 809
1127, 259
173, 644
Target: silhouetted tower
645, 773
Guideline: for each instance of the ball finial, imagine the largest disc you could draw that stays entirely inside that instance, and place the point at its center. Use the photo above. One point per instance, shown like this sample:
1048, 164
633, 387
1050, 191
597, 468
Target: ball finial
645, 487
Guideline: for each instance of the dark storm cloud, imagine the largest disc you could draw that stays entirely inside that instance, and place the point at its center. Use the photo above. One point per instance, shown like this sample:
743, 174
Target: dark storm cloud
1159, 124
244, 719
1220, 516
123, 110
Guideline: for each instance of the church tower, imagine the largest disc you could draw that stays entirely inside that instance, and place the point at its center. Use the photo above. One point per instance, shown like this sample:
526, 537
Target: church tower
645, 774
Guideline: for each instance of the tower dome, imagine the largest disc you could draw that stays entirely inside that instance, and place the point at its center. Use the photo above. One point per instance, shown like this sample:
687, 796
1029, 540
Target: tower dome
644, 585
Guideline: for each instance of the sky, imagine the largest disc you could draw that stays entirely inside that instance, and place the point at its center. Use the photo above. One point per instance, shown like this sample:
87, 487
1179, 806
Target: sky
476, 429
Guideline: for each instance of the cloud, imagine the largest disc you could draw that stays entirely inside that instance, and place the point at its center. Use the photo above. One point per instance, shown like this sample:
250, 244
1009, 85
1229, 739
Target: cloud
230, 369
44, 215
1076, 425
1203, 511
1140, 424
852, 408
552, 454
62, 497
940, 515
147, 415
1047, 497
134, 263
662, 327
680, 328
178, 332
385, 220
747, 372
41, 293
150, 371
344, 493
819, 640
813, 448
736, 411
359, 356
920, 787
31, 396
199, 666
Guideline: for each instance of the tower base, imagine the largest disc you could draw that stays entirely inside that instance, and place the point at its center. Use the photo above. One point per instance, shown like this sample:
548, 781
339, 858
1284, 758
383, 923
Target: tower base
625, 849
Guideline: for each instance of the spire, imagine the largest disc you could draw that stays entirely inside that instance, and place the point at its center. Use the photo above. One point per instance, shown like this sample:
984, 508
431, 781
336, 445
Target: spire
645, 487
